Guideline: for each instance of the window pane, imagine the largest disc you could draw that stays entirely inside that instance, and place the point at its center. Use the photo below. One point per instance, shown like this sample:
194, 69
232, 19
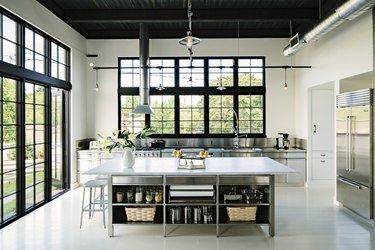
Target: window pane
39, 173
39, 63
250, 72
54, 51
10, 207
39, 133
29, 112
191, 114
9, 52
39, 94
196, 74
62, 72
39, 153
29, 93
220, 72
221, 115
29, 180
9, 29
29, 60
10, 182
39, 192
29, 197
39, 44
10, 113
62, 55
29, 132
9, 89
39, 114
9, 136
29, 39
164, 111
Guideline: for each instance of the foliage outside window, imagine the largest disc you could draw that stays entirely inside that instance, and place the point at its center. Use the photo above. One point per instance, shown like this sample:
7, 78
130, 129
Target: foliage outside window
191, 114
221, 72
129, 120
163, 119
250, 113
221, 114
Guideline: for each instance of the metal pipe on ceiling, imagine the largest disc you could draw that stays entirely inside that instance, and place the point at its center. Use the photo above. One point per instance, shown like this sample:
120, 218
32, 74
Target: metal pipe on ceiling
348, 11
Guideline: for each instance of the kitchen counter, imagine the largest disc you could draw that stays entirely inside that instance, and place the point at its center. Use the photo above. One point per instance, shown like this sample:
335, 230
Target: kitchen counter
219, 174
214, 166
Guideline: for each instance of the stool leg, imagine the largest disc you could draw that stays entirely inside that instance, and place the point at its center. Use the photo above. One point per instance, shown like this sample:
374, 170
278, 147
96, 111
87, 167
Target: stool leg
102, 203
90, 203
83, 205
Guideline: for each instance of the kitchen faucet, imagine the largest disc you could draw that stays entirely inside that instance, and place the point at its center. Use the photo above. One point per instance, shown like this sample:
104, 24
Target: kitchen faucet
235, 129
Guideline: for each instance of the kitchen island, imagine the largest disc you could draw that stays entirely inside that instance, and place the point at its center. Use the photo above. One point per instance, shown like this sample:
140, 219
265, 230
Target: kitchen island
229, 180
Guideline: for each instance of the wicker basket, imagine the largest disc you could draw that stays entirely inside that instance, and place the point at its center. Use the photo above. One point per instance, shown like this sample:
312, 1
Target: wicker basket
242, 213
140, 213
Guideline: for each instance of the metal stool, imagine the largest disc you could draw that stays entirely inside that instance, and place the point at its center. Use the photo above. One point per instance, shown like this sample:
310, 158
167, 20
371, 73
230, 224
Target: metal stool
94, 200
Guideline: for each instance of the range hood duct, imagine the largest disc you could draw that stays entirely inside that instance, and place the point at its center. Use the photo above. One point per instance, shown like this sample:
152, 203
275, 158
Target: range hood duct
144, 84
348, 11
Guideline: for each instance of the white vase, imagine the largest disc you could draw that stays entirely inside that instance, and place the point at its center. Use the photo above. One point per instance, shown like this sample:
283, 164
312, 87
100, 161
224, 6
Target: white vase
128, 158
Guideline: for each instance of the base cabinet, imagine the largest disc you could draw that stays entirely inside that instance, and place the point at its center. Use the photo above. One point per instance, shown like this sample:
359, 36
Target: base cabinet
191, 200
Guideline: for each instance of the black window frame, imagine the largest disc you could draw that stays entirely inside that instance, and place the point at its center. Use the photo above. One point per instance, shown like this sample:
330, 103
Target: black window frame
234, 90
21, 75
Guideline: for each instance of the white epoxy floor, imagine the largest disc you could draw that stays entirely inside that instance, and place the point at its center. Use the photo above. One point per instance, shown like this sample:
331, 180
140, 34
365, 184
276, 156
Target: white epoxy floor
305, 219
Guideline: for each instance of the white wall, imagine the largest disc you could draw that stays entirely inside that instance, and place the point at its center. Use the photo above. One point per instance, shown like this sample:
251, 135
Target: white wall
37, 15
346, 51
102, 105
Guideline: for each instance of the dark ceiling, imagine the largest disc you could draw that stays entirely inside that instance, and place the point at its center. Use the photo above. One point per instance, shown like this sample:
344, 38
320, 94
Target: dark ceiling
101, 19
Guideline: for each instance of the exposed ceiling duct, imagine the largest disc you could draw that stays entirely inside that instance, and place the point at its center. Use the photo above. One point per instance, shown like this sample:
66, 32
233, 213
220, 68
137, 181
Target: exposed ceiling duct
144, 84
348, 11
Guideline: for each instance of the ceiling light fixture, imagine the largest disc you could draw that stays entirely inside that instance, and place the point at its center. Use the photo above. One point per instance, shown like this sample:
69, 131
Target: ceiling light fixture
221, 87
97, 80
160, 87
285, 83
189, 40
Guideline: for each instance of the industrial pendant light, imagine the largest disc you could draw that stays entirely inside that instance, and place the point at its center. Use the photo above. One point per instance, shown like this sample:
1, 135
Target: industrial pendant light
189, 40
160, 87
97, 80
285, 83
221, 87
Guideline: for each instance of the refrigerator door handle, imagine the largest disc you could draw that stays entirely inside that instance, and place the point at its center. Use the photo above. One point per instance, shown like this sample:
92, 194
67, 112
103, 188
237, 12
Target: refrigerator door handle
349, 183
350, 145
347, 168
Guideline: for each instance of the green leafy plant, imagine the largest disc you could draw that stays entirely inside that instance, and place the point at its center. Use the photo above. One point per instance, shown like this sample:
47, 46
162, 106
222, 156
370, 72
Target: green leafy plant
122, 139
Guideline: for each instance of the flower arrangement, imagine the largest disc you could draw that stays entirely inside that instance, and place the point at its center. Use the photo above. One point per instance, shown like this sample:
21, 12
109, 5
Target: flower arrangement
122, 139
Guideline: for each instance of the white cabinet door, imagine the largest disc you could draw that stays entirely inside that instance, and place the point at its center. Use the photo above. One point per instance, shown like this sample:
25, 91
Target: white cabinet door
322, 134
323, 169
323, 120
299, 176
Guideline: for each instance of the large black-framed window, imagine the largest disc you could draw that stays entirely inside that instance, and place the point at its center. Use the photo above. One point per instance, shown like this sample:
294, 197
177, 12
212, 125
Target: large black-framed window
207, 95
34, 124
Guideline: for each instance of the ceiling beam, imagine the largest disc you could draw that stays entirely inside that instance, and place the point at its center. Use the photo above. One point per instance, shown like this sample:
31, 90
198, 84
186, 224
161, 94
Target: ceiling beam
176, 34
180, 15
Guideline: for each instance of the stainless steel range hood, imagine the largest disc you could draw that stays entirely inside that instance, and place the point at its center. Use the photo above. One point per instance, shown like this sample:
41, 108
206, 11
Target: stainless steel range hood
144, 85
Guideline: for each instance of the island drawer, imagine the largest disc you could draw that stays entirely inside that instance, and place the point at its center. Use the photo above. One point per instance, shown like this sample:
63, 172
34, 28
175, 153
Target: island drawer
247, 180
190, 180
144, 180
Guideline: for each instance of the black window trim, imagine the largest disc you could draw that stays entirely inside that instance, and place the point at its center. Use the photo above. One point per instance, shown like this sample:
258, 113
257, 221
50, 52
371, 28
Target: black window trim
206, 90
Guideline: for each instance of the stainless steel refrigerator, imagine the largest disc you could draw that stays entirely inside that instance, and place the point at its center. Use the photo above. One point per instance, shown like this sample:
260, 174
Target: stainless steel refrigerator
354, 151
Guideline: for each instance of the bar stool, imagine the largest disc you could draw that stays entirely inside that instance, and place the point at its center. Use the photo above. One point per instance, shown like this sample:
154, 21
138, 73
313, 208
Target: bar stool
93, 199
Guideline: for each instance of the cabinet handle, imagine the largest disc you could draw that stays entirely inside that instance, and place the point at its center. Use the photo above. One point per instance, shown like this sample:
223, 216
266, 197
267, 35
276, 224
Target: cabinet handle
322, 155
314, 128
322, 161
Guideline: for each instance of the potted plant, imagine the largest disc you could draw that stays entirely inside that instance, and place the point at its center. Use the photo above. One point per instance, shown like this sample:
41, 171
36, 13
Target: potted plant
123, 139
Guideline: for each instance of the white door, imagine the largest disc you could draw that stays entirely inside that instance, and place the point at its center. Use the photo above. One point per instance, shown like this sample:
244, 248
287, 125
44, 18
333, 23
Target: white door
323, 117
322, 134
